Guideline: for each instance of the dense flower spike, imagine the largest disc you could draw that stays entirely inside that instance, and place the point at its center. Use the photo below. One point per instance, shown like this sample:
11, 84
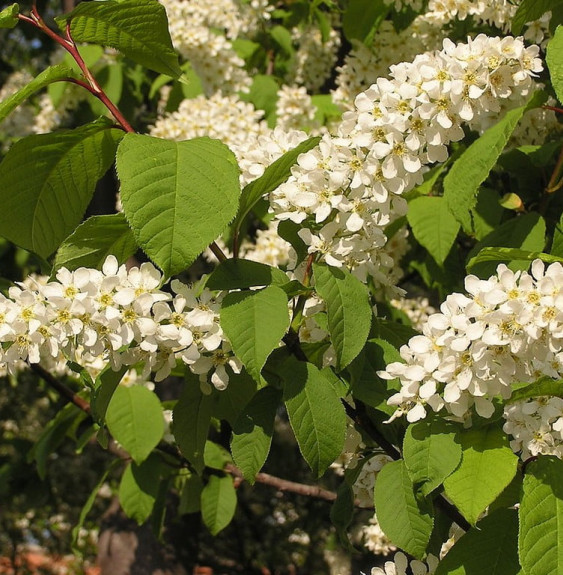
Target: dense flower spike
119, 315
348, 189
507, 330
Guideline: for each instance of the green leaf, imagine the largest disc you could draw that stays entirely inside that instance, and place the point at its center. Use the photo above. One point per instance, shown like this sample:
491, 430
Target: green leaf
53, 435
263, 93
177, 196
525, 232
487, 212
138, 489
362, 18
365, 384
530, 10
134, 418
557, 243
242, 274
190, 500
230, 402
540, 542
348, 308
289, 231
104, 388
94, 240
190, 423
491, 548
342, 512
255, 322
215, 456
89, 504
316, 415
9, 16
326, 108
543, 386
510, 255
433, 225
274, 175
47, 181
395, 333
487, 467
137, 28
218, 503
252, 433
554, 60
404, 517
282, 37
473, 166
431, 453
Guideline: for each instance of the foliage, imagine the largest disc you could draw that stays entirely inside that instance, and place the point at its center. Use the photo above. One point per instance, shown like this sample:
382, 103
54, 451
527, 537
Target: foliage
235, 254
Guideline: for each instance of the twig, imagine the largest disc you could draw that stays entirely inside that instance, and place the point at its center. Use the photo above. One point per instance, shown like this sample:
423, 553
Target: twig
70, 46
359, 415
284, 484
553, 109
218, 252
61, 388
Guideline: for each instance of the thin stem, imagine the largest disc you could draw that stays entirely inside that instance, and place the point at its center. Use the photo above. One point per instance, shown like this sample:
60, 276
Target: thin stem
69, 45
27, 19
553, 109
218, 252
236, 244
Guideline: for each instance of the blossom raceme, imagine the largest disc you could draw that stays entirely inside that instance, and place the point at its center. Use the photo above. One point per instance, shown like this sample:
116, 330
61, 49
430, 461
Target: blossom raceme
345, 191
507, 330
120, 315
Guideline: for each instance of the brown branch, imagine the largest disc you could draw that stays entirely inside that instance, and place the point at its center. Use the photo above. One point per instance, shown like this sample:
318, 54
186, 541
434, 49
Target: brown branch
61, 388
284, 484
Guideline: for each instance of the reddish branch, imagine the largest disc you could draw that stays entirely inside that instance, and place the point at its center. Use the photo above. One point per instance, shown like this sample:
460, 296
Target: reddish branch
284, 484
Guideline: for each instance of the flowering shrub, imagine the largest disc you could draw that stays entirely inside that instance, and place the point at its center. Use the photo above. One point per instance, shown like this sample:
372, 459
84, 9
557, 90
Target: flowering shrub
332, 168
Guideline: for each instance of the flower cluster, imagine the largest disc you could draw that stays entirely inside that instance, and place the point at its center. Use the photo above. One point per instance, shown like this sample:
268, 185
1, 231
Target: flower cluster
194, 27
17, 124
374, 538
498, 13
400, 564
227, 118
507, 330
120, 315
417, 309
536, 426
363, 65
314, 58
295, 109
348, 189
